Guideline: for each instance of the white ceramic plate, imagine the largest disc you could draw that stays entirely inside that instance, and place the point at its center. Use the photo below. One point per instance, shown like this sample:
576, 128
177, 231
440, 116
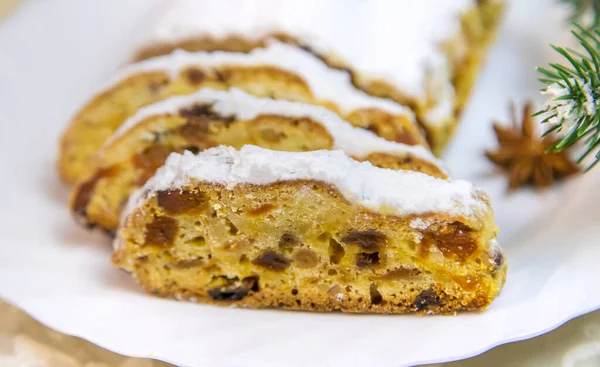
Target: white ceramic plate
55, 53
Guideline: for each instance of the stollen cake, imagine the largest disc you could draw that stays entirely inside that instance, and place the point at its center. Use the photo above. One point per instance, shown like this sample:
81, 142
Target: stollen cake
425, 54
311, 231
209, 118
280, 71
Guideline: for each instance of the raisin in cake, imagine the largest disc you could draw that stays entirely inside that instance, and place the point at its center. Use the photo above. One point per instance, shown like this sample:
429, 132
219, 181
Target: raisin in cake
311, 231
209, 118
425, 54
280, 71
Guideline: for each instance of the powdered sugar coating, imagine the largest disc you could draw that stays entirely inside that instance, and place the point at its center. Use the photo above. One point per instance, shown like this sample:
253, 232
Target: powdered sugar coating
419, 223
378, 189
398, 41
354, 141
324, 82
395, 40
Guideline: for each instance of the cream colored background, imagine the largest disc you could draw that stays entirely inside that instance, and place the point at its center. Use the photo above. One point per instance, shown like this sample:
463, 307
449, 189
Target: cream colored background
26, 343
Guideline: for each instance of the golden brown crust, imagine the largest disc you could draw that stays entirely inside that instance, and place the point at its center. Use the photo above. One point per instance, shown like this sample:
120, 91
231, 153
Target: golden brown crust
107, 111
131, 159
427, 302
481, 29
100, 118
208, 44
406, 163
267, 246
228, 44
479, 26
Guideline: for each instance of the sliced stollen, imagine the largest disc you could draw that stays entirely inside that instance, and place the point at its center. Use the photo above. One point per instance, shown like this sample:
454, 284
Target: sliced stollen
280, 71
209, 118
425, 54
311, 231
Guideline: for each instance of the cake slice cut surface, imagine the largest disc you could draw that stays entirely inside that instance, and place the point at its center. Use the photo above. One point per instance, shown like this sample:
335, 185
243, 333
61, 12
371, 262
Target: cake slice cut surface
209, 118
425, 54
279, 71
310, 231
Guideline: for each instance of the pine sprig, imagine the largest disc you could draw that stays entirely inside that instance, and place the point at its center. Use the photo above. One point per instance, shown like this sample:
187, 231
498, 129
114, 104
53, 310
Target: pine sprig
580, 9
573, 106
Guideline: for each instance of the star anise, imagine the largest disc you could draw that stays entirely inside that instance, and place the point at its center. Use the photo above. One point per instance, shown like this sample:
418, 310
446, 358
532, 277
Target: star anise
522, 153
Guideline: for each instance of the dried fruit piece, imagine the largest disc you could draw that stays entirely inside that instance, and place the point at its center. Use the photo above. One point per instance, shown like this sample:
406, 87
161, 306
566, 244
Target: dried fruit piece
367, 240
272, 260
161, 231
188, 264
364, 259
425, 299
195, 76
196, 131
152, 157
198, 241
200, 111
305, 258
149, 160
453, 239
406, 138
288, 241
197, 128
84, 192
261, 210
180, 201
469, 283
231, 289
233, 230
400, 273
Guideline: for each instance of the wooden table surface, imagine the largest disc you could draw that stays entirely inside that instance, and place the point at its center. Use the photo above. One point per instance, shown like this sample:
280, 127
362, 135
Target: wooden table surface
26, 343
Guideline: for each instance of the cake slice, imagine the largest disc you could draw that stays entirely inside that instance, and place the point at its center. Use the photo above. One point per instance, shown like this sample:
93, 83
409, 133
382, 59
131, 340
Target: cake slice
425, 54
310, 231
280, 71
209, 118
